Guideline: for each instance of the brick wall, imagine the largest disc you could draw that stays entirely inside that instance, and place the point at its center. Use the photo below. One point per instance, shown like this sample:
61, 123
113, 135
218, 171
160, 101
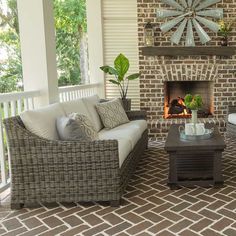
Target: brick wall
156, 70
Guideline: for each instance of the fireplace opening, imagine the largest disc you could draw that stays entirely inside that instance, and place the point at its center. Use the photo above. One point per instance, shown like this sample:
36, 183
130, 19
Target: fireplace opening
175, 92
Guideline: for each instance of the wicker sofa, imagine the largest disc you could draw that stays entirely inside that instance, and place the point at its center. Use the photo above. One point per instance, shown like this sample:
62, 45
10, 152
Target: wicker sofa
231, 121
44, 170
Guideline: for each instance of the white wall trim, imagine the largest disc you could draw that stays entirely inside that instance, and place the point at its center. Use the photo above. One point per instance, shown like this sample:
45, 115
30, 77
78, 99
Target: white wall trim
95, 43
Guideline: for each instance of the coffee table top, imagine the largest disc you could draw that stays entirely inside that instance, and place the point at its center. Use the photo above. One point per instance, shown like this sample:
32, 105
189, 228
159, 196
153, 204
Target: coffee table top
173, 142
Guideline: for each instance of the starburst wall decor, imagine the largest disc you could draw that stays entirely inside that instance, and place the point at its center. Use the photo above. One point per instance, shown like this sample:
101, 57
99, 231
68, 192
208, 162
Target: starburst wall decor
189, 15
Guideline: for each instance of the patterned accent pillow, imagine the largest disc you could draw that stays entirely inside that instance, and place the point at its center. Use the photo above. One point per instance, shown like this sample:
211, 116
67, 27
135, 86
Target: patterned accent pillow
76, 127
112, 113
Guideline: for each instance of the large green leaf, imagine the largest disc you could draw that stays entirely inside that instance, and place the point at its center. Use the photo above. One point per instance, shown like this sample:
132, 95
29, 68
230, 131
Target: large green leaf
193, 102
114, 82
109, 70
133, 76
121, 65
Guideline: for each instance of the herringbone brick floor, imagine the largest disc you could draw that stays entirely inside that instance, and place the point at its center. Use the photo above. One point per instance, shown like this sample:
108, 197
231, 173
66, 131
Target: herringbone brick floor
148, 207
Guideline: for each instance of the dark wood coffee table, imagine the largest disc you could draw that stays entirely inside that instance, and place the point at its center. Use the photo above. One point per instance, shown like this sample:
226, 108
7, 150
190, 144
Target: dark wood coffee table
194, 162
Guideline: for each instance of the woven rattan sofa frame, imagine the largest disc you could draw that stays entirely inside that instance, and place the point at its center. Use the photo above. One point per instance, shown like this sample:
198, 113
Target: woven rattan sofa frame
231, 128
60, 171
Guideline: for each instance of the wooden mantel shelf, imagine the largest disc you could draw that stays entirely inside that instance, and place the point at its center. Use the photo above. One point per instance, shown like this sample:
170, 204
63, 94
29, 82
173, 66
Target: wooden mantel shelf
189, 51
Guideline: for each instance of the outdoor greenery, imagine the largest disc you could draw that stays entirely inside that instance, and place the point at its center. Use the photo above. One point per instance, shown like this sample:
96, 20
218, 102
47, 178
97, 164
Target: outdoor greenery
70, 23
10, 67
70, 20
121, 67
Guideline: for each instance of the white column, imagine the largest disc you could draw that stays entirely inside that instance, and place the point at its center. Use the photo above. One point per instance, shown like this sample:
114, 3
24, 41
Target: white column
95, 43
38, 49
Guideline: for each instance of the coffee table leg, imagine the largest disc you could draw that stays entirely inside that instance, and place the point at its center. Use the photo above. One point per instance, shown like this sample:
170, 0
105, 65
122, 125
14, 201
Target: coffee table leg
217, 172
173, 177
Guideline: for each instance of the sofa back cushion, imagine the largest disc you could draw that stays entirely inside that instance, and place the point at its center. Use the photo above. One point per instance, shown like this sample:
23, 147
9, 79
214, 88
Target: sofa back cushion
76, 127
42, 122
75, 106
90, 103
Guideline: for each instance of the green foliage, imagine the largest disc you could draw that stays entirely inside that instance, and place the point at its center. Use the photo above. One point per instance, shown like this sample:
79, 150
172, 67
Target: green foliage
121, 64
121, 67
11, 75
70, 22
193, 102
10, 69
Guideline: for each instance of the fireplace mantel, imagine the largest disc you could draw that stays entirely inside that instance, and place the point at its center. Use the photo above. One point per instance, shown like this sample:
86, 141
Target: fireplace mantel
189, 51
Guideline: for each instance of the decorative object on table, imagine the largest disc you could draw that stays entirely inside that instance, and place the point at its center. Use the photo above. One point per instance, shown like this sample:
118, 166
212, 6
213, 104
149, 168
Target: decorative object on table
121, 67
208, 133
225, 27
187, 132
149, 35
193, 103
189, 129
188, 15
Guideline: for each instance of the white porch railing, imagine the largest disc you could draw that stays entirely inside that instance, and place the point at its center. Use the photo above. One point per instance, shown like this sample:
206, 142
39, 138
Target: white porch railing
11, 104
69, 93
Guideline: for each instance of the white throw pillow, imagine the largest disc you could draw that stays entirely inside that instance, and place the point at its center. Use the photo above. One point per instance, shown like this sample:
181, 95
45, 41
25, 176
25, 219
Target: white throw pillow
42, 122
90, 103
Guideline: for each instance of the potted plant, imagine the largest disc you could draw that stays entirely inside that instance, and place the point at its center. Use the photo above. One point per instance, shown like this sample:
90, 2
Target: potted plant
120, 69
225, 27
193, 103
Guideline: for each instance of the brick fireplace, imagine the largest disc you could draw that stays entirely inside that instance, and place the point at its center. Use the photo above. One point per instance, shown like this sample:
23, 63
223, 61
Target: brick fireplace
215, 74
175, 91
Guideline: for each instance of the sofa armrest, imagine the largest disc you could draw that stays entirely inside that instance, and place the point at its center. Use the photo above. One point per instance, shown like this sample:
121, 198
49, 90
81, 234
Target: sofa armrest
96, 160
231, 109
137, 115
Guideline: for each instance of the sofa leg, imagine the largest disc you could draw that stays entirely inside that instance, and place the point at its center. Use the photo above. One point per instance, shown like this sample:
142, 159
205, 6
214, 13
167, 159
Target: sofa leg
115, 203
16, 206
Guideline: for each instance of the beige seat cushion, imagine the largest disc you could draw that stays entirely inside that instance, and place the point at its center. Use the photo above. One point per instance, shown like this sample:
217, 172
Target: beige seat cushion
124, 149
90, 103
131, 131
127, 136
42, 122
141, 125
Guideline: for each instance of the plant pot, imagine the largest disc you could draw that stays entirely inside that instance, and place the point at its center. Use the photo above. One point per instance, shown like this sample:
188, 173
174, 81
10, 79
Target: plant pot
224, 41
126, 102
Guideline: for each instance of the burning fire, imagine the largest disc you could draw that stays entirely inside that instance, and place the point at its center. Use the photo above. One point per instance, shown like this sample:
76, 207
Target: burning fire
181, 102
176, 109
